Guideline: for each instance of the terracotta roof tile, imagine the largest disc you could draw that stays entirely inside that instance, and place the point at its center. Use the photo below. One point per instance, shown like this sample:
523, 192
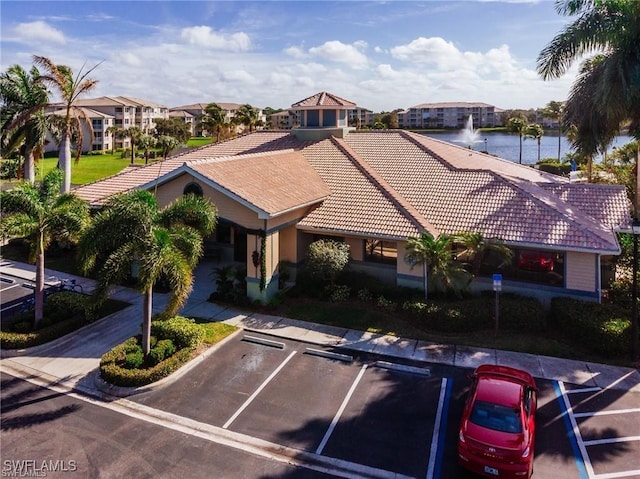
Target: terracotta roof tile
323, 99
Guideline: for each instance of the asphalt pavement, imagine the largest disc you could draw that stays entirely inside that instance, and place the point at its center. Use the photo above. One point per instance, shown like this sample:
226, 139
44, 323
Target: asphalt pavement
72, 361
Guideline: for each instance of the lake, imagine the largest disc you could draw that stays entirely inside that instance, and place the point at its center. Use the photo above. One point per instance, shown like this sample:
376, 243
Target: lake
507, 146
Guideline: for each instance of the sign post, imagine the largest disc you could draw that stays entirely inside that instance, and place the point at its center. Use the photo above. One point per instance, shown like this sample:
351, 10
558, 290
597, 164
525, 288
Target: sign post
497, 287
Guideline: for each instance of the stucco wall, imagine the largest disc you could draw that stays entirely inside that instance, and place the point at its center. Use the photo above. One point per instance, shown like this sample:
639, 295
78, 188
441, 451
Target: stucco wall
580, 271
289, 244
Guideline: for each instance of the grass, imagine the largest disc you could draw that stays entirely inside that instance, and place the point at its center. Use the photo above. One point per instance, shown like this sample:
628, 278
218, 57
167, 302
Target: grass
214, 332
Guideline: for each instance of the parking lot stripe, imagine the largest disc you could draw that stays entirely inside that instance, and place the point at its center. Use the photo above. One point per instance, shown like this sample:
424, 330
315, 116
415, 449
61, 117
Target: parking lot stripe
583, 390
614, 475
336, 418
585, 469
611, 440
443, 402
257, 391
606, 413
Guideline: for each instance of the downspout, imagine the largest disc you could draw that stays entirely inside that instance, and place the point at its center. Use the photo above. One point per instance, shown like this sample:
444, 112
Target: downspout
599, 277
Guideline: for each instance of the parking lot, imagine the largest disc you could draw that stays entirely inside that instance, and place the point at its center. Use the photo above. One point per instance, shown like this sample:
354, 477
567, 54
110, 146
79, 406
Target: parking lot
14, 291
393, 418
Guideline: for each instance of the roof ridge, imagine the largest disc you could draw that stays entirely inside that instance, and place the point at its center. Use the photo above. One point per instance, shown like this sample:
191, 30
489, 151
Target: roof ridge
390, 192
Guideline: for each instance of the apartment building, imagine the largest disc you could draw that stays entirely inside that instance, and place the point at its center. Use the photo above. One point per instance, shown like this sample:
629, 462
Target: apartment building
447, 115
191, 113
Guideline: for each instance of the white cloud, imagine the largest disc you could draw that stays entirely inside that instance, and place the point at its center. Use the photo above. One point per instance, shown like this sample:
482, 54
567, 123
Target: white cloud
295, 52
205, 36
337, 51
36, 32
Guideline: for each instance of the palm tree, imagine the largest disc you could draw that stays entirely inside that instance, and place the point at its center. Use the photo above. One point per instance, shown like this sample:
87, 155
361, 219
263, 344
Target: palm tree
134, 133
518, 126
612, 30
118, 133
440, 272
164, 243
214, 119
536, 132
476, 247
147, 142
69, 87
247, 115
553, 110
24, 122
167, 143
40, 213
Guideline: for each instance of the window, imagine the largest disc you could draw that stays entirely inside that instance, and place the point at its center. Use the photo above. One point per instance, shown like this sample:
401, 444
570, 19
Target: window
529, 266
193, 189
379, 251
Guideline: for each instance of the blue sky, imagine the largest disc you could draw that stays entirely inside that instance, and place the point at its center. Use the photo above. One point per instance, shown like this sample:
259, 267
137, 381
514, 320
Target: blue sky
381, 55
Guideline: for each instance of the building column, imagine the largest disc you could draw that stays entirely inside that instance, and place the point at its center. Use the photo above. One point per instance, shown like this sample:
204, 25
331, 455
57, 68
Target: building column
262, 266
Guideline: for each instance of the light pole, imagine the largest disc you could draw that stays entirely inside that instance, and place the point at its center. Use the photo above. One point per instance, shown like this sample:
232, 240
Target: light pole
635, 229
486, 149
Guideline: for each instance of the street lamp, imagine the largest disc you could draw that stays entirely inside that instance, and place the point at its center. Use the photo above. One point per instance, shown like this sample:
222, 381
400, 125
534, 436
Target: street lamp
486, 150
635, 229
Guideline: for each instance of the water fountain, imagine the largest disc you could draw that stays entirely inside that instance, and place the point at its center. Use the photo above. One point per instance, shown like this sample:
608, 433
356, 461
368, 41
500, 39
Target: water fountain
469, 136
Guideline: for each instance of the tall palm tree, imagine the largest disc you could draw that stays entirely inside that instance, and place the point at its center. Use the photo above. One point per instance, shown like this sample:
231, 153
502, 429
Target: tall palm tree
69, 87
536, 132
476, 247
24, 122
134, 133
554, 110
40, 213
214, 119
165, 243
147, 142
611, 30
247, 115
118, 133
440, 272
518, 126
167, 143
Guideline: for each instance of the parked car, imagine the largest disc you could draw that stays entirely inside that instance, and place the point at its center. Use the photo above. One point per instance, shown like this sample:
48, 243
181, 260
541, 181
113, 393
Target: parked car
535, 261
497, 430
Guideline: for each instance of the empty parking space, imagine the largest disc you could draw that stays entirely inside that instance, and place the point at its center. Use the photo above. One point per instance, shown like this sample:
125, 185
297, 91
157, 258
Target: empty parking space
13, 291
605, 424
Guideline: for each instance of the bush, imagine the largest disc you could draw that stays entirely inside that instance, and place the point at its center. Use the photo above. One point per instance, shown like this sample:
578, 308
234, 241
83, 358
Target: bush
326, 259
9, 168
338, 293
134, 359
69, 303
184, 333
601, 328
365, 295
162, 350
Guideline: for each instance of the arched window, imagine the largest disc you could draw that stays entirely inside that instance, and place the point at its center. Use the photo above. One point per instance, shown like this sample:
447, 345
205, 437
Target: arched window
192, 188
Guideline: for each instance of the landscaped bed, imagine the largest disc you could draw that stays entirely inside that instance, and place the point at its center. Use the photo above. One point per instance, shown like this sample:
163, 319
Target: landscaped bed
174, 342
64, 312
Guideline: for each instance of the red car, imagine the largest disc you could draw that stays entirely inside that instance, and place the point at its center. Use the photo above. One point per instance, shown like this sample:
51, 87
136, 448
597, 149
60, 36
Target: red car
497, 429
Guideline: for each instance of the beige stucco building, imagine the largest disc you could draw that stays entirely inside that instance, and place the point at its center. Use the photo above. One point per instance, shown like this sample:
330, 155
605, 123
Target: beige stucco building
277, 191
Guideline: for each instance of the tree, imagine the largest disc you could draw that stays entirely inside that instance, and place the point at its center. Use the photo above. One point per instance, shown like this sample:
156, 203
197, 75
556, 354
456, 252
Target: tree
164, 244
326, 259
440, 272
167, 143
69, 87
611, 30
553, 110
476, 247
248, 116
147, 142
40, 213
117, 133
173, 127
134, 133
536, 132
23, 119
214, 119
518, 125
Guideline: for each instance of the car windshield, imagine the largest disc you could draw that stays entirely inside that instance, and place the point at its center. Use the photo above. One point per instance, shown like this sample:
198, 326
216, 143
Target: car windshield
496, 417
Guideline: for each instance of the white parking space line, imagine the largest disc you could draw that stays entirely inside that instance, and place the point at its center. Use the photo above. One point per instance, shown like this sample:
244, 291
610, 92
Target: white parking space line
611, 440
10, 287
583, 390
614, 475
576, 430
336, 418
606, 413
257, 391
436, 430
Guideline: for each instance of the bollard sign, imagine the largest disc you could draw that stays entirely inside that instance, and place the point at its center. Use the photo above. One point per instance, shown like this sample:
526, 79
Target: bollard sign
497, 282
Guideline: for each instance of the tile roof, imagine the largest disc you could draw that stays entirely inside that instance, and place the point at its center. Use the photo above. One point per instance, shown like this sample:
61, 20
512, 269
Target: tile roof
323, 99
395, 184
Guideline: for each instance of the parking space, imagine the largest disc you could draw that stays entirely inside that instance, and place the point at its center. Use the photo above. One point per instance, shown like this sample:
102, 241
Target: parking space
605, 426
13, 291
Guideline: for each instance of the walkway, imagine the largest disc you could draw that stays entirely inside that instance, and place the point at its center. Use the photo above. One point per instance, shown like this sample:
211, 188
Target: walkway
72, 361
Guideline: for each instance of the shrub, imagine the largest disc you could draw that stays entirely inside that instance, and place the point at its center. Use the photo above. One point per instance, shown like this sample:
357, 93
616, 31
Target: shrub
338, 293
162, 350
184, 333
602, 328
134, 360
385, 303
70, 303
326, 259
365, 295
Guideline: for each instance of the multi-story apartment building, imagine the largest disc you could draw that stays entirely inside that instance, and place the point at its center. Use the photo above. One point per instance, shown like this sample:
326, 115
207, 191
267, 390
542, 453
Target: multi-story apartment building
119, 111
360, 117
447, 115
191, 113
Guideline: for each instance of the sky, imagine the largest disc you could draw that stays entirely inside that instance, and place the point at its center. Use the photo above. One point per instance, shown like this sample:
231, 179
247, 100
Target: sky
381, 55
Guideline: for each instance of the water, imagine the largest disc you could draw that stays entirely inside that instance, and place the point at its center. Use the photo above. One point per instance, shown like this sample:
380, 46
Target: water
468, 136
507, 146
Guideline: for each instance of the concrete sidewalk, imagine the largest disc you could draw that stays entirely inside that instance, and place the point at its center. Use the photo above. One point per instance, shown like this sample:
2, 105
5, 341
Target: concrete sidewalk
73, 360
